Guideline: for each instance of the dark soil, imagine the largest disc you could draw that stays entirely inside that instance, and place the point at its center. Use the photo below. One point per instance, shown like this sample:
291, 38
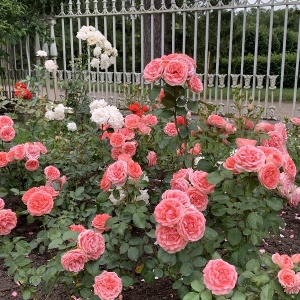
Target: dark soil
287, 243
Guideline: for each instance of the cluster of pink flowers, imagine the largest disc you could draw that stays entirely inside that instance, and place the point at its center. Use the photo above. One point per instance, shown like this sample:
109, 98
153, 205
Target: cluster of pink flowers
295, 121
267, 160
219, 276
175, 69
40, 200
7, 132
8, 219
28, 151
118, 172
287, 277
220, 124
179, 213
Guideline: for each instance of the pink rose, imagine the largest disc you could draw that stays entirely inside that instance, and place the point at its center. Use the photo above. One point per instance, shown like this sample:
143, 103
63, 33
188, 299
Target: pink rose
276, 140
289, 166
2, 203
179, 184
3, 159
117, 140
107, 286
31, 164
128, 133
92, 243
243, 142
169, 239
170, 129
264, 127
8, 221
40, 203
281, 129
229, 165
177, 195
229, 128
249, 124
134, 170
129, 148
143, 128
41, 147
32, 151
294, 197
149, 120
19, 151
28, 194
132, 121
219, 276
283, 261
249, 159
99, 222
195, 84
74, 260
151, 158
196, 149
216, 121
183, 173
295, 121
6, 121
125, 157
175, 73
285, 185
52, 173
197, 198
117, 173
273, 155
77, 228
198, 180
295, 258
268, 176
7, 133
168, 212
105, 183
191, 225
116, 152
153, 71
287, 277
50, 190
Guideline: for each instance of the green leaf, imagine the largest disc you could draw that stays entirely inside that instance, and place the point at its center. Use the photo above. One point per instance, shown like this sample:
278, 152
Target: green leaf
267, 292
275, 203
193, 106
23, 247
205, 295
127, 281
79, 191
35, 280
70, 235
102, 197
234, 236
153, 95
92, 268
197, 286
168, 101
124, 247
186, 269
238, 296
139, 220
133, 253
252, 265
199, 261
3, 192
254, 220
86, 293
167, 113
191, 296
210, 234
184, 132
205, 165
55, 243
214, 178
26, 294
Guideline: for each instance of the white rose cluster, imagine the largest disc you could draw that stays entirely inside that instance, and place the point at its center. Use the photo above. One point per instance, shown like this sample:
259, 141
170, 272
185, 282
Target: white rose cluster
72, 126
104, 54
144, 196
104, 114
50, 65
57, 112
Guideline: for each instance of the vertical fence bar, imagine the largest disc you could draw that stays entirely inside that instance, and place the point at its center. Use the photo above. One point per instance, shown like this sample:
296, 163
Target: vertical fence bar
21, 54
152, 30
196, 5
163, 29
173, 4
243, 47
124, 46
115, 46
183, 27
218, 52
79, 25
296, 72
206, 50
133, 40
70, 13
142, 42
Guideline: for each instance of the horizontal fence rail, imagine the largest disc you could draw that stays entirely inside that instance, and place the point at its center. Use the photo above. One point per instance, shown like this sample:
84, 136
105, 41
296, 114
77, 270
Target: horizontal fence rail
248, 45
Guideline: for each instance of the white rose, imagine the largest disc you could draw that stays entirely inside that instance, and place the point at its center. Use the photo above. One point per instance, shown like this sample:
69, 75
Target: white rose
72, 126
50, 65
95, 62
41, 53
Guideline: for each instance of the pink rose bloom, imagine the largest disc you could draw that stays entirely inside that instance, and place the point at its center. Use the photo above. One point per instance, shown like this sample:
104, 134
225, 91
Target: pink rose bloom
197, 198
134, 170
289, 166
183, 173
19, 151
285, 185
170, 129
264, 127
195, 84
7, 133
287, 277
276, 140
229, 165
249, 159
283, 261
28, 194
149, 120
268, 176
168, 212
191, 225
216, 121
273, 155
244, 142
6, 121
32, 151
74, 260
129, 148
3, 159
198, 180
2, 203
41, 147
107, 286
105, 183
117, 140
229, 128
179, 184
32, 164
99, 222
295, 258
40, 203
116, 152
175, 73
117, 173
62, 180
106, 135
295, 121
154, 70
151, 158
128, 133
132, 121
10, 155
50, 190
196, 149
52, 173
294, 197
169, 239
125, 157
249, 124
178, 195
92, 243
77, 228
281, 129
143, 128
219, 276
8, 221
